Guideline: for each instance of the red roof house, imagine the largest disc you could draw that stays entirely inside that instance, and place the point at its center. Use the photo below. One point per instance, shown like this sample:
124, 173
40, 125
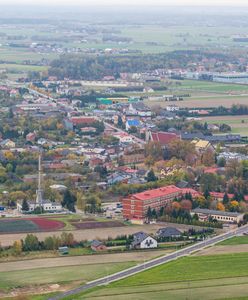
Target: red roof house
164, 138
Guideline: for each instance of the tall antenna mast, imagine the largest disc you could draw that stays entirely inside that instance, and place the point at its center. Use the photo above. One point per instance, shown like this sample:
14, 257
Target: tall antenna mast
39, 191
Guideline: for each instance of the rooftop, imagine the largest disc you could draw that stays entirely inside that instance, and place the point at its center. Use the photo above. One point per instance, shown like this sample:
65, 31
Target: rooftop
170, 189
215, 212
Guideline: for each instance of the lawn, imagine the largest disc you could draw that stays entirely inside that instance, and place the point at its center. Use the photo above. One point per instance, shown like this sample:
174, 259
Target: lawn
237, 240
205, 277
59, 275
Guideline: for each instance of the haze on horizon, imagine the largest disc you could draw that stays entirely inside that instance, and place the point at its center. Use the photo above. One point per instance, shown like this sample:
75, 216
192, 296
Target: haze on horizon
127, 2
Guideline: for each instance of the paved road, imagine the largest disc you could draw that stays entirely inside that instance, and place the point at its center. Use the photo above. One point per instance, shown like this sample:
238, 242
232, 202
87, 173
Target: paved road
154, 262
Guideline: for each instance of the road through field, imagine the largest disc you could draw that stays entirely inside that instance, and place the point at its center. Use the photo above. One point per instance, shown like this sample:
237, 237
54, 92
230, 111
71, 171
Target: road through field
153, 263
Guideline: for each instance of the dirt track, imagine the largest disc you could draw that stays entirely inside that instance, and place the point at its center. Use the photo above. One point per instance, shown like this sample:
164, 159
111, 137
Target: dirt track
215, 250
80, 260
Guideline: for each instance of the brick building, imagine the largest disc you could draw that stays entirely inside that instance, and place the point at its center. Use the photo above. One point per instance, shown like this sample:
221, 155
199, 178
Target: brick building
135, 206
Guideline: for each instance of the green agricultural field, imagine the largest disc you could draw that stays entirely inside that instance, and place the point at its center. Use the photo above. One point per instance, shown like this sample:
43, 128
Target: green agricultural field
205, 277
211, 87
58, 275
177, 37
237, 240
18, 68
17, 226
239, 124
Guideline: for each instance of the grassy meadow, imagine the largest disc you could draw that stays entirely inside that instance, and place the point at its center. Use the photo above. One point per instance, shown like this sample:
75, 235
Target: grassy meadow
205, 277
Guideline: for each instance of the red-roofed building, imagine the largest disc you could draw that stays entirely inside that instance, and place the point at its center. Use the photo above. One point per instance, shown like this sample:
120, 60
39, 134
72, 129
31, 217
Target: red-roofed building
219, 196
135, 206
193, 192
164, 138
73, 122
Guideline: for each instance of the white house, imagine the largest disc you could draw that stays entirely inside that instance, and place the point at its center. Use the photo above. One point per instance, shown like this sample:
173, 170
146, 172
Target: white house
142, 240
7, 144
172, 108
47, 206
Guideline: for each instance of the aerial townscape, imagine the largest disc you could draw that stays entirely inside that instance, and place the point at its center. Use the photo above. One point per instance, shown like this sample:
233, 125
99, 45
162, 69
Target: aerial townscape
123, 150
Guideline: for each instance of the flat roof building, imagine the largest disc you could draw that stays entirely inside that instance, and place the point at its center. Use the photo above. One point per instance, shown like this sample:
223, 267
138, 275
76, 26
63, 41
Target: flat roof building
135, 206
221, 216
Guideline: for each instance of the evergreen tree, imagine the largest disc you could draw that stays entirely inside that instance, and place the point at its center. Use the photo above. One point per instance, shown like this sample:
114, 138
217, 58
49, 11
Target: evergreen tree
120, 122
206, 194
149, 213
151, 176
25, 206
69, 201
154, 214
225, 199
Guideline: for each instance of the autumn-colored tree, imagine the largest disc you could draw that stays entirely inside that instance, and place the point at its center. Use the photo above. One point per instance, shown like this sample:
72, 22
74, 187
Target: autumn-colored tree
200, 201
18, 195
17, 247
154, 150
234, 205
208, 158
81, 200
9, 155
176, 205
220, 206
181, 149
186, 204
234, 168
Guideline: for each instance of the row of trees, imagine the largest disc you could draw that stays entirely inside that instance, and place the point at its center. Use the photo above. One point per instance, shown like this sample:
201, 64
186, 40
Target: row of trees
32, 243
91, 67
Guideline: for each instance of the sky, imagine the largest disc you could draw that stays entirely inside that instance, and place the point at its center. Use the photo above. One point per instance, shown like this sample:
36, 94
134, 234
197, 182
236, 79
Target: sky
128, 2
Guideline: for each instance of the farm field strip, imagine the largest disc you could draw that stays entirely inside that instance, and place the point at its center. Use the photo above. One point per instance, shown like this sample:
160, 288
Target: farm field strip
139, 256
237, 240
59, 275
204, 275
203, 101
196, 293
172, 286
34, 224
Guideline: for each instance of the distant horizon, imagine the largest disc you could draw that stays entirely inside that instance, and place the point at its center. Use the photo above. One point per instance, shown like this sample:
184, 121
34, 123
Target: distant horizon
142, 3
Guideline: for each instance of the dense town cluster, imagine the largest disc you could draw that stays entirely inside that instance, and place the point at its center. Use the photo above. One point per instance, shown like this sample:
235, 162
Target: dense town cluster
101, 148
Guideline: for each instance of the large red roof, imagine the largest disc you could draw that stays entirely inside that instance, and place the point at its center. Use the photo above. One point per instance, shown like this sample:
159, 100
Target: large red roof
82, 120
170, 189
220, 195
163, 138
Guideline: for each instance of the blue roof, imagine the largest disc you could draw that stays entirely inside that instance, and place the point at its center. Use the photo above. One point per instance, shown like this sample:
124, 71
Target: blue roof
133, 122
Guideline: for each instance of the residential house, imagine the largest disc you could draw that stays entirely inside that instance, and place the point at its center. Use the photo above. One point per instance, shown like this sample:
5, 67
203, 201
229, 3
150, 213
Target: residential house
142, 240
98, 246
139, 109
168, 232
172, 108
7, 144
202, 145
30, 137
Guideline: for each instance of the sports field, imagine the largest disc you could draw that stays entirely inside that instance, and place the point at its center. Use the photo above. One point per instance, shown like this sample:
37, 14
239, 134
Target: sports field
202, 277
